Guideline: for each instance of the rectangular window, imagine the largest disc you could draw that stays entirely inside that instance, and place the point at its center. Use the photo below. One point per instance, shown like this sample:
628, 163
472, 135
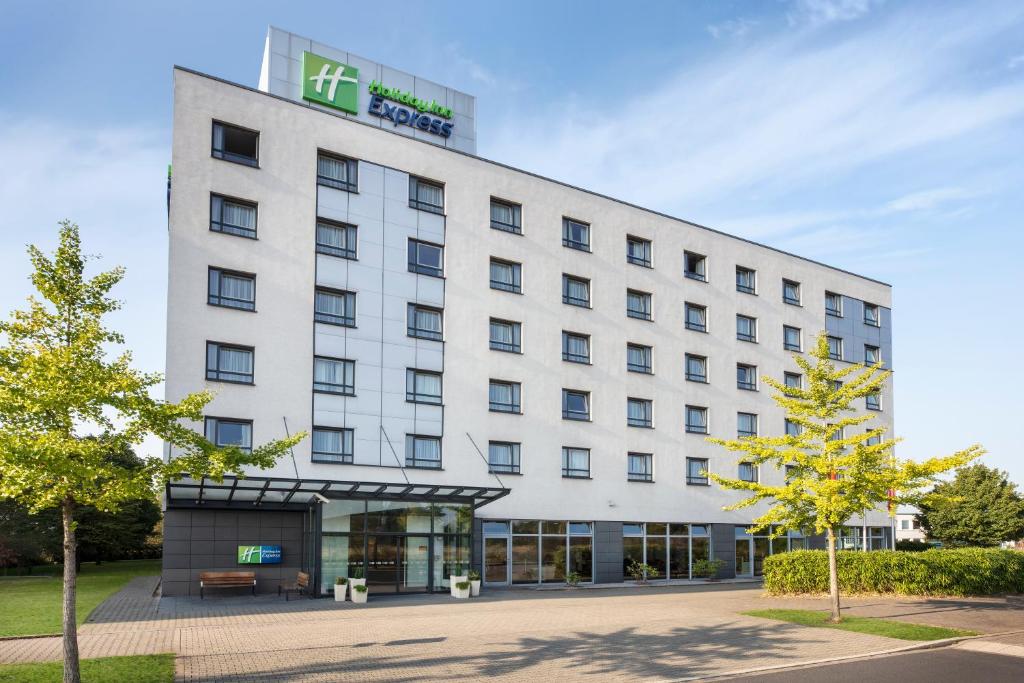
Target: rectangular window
792, 338
576, 463
792, 428
506, 336
332, 445
640, 466
334, 376
232, 143
793, 380
231, 290
506, 276
871, 316
575, 347
696, 317
746, 280
425, 195
223, 432
873, 440
228, 363
748, 472
696, 368
835, 348
873, 401
791, 292
836, 435
872, 354
695, 266
575, 405
506, 216
335, 239
639, 412
423, 451
746, 424
638, 251
746, 377
426, 258
696, 420
638, 358
575, 235
638, 304
337, 172
422, 386
575, 291
424, 322
697, 472
503, 457
833, 304
334, 307
232, 216
746, 328
504, 396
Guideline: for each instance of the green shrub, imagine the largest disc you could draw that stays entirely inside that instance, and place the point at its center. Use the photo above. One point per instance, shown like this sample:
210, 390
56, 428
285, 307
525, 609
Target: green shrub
962, 571
913, 546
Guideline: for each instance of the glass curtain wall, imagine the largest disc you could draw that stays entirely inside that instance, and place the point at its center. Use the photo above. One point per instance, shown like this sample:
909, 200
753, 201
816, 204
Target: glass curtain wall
530, 551
752, 549
670, 548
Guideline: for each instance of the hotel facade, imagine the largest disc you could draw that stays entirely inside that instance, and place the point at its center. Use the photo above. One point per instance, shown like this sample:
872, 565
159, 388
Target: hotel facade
496, 370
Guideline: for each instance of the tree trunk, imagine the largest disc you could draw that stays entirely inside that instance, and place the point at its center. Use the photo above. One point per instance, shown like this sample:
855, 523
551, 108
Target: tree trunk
833, 577
71, 672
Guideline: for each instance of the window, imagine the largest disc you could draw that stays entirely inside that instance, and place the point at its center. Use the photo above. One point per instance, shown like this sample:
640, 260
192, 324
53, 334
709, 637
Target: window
422, 386
575, 347
638, 358
871, 316
424, 322
696, 317
503, 457
695, 266
792, 428
746, 377
337, 172
789, 472
335, 239
231, 290
746, 424
793, 380
748, 472
504, 396
638, 304
224, 432
638, 251
873, 401
836, 435
227, 363
833, 304
232, 216
746, 280
791, 292
334, 376
697, 472
506, 216
334, 307
426, 258
425, 195
872, 354
232, 143
576, 463
792, 338
835, 348
640, 467
575, 291
423, 451
575, 405
639, 412
332, 445
696, 420
506, 276
696, 368
506, 336
904, 524
874, 439
746, 328
575, 235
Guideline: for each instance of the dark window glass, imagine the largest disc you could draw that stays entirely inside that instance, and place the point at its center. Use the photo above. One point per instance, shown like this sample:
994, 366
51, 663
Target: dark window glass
748, 472
334, 307
575, 405
334, 376
746, 424
638, 251
746, 377
575, 347
696, 472
575, 235
506, 336
576, 463
503, 457
695, 266
504, 396
871, 316
746, 328
638, 304
337, 172
335, 239
791, 292
639, 412
696, 317
425, 195
506, 216
833, 304
873, 401
793, 379
746, 280
232, 143
426, 258
422, 386
332, 445
835, 348
422, 451
424, 322
792, 428
872, 354
231, 290
638, 358
575, 291
227, 363
640, 467
506, 276
227, 432
791, 338
232, 216
696, 420
696, 368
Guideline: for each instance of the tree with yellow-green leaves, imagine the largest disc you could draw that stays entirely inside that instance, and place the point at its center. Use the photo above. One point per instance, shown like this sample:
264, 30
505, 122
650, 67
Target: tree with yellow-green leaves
833, 471
66, 406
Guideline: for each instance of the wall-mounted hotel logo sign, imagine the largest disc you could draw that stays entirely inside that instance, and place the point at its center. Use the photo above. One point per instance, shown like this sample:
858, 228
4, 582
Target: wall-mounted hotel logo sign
422, 118
259, 554
328, 82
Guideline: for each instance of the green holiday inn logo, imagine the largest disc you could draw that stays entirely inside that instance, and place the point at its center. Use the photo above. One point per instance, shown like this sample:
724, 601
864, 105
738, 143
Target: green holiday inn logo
328, 82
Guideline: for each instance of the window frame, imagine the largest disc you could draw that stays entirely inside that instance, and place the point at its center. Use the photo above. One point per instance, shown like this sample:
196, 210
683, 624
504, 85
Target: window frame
343, 458
697, 480
233, 230
410, 453
752, 468
325, 388
798, 301
414, 198
572, 415
351, 171
687, 305
515, 346
241, 160
743, 434
752, 289
648, 247
414, 265
570, 301
517, 215
515, 455
648, 410
693, 274
216, 370
219, 297
646, 298
217, 420
693, 428
786, 346
331, 318
421, 333
877, 322
517, 276
746, 386
647, 473
877, 353
572, 472
648, 352
751, 339
351, 235
834, 312
873, 401
831, 355
700, 379
516, 407
573, 358
413, 396
799, 376
570, 243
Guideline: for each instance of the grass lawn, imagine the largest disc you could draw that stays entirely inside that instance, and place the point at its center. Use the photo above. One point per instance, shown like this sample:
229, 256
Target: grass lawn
870, 625
140, 669
32, 605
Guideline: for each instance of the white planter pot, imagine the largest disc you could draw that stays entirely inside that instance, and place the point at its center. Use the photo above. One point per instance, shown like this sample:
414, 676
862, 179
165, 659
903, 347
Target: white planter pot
352, 583
359, 597
460, 594
474, 588
453, 579
339, 592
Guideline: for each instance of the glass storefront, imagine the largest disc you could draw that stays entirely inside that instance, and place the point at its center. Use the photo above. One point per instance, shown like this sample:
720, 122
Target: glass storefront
852, 538
530, 551
752, 549
670, 548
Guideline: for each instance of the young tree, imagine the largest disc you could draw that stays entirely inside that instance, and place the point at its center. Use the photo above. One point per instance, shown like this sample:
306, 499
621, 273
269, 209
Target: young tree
65, 406
980, 507
833, 472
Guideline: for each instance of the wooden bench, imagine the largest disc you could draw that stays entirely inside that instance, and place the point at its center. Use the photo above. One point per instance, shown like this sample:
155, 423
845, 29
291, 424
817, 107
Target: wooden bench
300, 586
226, 580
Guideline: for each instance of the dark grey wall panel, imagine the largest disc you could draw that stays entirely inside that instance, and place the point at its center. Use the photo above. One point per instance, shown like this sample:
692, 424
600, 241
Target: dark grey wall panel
607, 552
723, 547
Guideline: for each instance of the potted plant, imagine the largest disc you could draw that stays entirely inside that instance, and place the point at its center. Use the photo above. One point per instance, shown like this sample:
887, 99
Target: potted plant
641, 572
461, 590
359, 593
357, 579
458, 577
572, 579
340, 587
708, 569
474, 582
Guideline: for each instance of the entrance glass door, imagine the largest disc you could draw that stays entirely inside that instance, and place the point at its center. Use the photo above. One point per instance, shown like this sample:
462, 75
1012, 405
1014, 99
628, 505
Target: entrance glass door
397, 564
744, 565
414, 559
496, 560
382, 564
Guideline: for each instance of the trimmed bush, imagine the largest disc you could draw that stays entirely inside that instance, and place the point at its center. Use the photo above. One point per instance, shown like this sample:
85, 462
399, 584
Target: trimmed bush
961, 571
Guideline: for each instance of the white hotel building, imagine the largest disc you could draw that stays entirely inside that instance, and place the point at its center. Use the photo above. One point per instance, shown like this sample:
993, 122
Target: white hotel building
496, 369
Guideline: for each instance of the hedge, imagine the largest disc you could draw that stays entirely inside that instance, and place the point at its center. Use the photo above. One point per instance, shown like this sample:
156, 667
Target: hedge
966, 571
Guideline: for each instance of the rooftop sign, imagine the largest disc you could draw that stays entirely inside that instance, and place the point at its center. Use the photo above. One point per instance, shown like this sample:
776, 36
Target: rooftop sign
329, 82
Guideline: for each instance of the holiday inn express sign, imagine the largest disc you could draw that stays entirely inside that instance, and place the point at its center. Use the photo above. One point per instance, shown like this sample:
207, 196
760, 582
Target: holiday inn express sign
336, 85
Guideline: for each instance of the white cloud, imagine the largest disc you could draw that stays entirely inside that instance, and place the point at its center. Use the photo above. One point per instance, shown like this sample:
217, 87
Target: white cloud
471, 68
733, 28
928, 199
818, 12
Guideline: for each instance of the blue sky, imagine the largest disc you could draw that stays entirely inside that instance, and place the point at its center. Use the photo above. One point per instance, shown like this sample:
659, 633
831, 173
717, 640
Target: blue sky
880, 137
